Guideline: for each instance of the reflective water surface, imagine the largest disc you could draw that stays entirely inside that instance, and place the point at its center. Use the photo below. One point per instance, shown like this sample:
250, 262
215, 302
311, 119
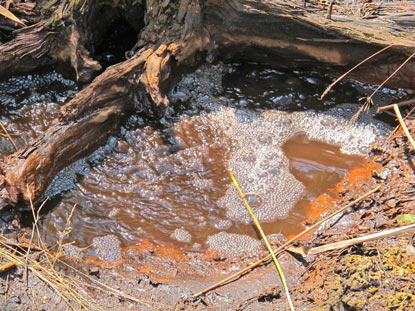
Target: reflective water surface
169, 181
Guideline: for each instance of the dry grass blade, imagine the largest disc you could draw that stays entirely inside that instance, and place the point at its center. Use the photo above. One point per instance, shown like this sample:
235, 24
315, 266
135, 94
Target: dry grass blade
402, 122
7, 133
4, 240
392, 74
349, 71
70, 288
274, 258
285, 245
7, 14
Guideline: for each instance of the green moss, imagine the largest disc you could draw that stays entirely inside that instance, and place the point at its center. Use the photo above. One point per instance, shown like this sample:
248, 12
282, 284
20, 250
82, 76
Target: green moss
371, 282
355, 300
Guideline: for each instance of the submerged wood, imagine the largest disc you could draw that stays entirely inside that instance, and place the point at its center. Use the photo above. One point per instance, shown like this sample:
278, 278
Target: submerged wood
279, 33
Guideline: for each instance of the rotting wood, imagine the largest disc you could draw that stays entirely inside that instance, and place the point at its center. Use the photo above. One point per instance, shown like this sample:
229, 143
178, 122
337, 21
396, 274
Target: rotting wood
274, 32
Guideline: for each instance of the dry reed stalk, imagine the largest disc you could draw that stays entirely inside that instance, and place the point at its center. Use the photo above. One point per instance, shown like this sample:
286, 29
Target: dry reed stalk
8, 135
351, 242
402, 122
400, 104
391, 75
356, 66
6, 13
258, 226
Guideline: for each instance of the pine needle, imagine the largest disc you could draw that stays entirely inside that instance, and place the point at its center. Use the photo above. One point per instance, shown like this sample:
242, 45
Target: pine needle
6, 13
274, 258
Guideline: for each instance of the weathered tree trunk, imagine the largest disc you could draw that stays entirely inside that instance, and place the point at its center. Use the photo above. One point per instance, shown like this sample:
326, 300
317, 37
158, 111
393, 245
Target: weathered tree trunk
174, 34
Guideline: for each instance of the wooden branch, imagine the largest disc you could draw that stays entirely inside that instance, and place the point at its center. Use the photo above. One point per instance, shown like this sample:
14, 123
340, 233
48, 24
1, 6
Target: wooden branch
84, 123
400, 104
351, 242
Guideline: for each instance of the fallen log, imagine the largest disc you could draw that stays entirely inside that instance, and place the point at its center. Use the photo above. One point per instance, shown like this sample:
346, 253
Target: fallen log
175, 35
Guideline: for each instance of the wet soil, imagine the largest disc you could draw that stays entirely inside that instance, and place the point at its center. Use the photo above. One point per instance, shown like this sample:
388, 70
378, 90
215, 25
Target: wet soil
377, 275
166, 277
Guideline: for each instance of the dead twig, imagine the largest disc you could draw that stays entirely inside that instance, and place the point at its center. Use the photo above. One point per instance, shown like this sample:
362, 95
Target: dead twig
6, 289
7, 266
349, 71
368, 101
400, 104
402, 122
391, 75
351, 242
284, 246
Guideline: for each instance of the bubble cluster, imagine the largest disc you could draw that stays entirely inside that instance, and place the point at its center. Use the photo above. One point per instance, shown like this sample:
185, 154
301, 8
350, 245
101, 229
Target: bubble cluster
334, 126
107, 247
259, 165
30, 103
34, 88
233, 244
181, 235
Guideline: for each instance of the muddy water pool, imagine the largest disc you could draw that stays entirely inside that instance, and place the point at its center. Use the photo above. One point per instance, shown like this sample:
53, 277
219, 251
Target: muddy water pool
168, 181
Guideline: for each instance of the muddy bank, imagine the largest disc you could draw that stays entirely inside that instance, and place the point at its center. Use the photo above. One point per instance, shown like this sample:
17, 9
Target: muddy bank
370, 276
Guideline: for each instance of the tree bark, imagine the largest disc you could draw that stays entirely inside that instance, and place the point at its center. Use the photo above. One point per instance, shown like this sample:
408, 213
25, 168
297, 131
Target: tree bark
279, 33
